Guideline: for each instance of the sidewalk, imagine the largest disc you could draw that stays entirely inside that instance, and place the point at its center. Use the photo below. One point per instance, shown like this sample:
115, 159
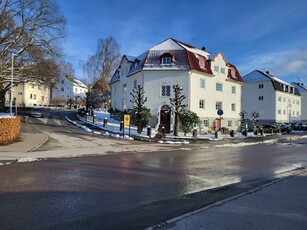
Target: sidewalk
280, 205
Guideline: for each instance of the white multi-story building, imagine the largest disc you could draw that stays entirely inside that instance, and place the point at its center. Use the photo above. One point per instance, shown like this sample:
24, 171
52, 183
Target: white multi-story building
208, 81
303, 91
29, 94
274, 99
69, 88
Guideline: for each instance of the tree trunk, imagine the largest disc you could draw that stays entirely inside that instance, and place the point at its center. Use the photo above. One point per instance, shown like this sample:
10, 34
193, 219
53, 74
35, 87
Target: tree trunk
2, 98
176, 126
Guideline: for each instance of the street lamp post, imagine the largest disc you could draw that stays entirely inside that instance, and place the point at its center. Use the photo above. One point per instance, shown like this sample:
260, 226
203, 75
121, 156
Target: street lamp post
11, 99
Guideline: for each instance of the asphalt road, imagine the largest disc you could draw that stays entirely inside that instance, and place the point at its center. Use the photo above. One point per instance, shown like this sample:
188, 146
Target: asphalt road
133, 190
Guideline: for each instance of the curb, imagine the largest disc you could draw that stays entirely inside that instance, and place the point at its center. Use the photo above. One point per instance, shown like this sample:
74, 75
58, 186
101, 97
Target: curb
221, 202
40, 144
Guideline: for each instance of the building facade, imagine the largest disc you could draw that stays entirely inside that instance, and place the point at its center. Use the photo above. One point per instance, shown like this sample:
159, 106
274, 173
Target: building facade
29, 94
209, 82
69, 88
275, 100
303, 91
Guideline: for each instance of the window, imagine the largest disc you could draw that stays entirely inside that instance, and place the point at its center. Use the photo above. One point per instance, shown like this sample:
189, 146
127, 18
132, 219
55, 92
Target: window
124, 87
62, 81
216, 68
166, 61
223, 70
260, 86
201, 103
135, 83
206, 123
33, 86
233, 107
31, 96
124, 104
34, 96
297, 113
76, 89
279, 99
19, 93
218, 105
233, 89
219, 87
62, 89
260, 98
229, 123
165, 90
202, 83
202, 64
279, 111
43, 98
297, 102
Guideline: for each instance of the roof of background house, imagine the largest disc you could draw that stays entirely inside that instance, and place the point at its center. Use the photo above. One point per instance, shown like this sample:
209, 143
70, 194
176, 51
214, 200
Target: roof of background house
301, 87
185, 57
76, 82
278, 84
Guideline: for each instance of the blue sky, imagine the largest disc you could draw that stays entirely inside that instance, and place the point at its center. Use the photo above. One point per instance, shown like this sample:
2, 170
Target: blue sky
267, 35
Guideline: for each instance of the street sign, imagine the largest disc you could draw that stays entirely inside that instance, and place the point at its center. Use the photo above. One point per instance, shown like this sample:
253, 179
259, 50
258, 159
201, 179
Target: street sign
126, 120
220, 112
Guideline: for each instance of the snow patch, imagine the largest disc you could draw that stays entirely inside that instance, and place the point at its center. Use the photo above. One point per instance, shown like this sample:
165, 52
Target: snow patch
27, 159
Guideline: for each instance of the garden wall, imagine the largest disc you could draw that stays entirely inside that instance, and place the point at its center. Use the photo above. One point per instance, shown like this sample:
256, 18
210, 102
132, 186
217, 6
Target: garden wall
9, 129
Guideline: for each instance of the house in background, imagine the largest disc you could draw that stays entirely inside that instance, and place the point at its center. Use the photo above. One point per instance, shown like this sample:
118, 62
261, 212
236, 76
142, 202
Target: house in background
69, 88
209, 82
274, 99
30, 94
303, 91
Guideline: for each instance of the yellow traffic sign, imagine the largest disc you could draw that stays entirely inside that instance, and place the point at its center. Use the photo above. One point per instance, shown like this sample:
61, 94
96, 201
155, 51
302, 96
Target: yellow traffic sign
126, 119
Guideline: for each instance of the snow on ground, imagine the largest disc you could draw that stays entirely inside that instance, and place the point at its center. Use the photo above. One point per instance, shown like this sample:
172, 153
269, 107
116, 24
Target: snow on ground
5, 115
27, 159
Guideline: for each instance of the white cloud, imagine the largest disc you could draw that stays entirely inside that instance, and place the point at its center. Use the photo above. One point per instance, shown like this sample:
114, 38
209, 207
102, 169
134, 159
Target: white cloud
287, 65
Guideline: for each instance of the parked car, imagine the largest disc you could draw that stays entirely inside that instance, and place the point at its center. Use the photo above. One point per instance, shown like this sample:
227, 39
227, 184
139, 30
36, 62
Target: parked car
300, 126
30, 111
267, 128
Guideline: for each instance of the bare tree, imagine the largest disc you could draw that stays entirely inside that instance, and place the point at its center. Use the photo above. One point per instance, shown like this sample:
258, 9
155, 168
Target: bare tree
178, 106
32, 31
100, 67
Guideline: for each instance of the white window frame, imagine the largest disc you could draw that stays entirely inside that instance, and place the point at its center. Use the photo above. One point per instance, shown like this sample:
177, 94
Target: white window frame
222, 70
166, 88
202, 83
216, 68
218, 105
233, 89
233, 107
206, 122
201, 104
229, 123
166, 61
219, 87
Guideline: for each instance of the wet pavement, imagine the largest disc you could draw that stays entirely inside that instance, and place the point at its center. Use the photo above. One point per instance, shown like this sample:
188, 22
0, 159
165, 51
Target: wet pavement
134, 190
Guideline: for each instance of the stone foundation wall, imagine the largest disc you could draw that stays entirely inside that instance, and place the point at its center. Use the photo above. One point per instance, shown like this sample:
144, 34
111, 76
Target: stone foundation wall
9, 130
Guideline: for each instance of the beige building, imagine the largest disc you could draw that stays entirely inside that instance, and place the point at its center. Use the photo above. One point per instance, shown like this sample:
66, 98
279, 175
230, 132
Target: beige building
29, 94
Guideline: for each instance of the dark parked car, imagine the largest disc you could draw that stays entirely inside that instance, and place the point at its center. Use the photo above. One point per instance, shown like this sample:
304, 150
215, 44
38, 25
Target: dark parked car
30, 111
267, 128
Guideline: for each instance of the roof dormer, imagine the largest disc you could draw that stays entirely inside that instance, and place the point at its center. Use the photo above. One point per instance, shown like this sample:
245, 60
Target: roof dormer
167, 59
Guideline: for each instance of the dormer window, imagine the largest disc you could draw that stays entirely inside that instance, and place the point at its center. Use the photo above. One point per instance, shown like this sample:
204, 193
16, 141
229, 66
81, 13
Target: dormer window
166, 59
202, 64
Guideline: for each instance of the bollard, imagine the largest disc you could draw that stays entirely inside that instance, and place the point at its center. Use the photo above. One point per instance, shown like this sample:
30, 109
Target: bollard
94, 118
261, 132
121, 126
271, 130
163, 132
256, 132
195, 134
231, 132
149, 131
86, 116
105, 122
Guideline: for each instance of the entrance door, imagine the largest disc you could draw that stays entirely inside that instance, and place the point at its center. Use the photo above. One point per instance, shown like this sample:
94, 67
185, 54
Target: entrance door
165, 118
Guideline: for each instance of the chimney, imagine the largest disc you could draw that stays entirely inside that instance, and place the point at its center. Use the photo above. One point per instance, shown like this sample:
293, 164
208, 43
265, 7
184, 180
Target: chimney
267, 72
203, 48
